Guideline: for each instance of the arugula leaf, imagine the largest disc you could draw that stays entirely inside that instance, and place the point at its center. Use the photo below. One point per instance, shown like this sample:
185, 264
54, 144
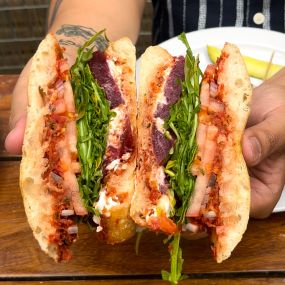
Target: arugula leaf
176, 262
138, 239
94, 114
183, 121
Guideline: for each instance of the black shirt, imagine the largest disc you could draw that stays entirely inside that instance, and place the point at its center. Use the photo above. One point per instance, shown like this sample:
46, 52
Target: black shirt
171, 17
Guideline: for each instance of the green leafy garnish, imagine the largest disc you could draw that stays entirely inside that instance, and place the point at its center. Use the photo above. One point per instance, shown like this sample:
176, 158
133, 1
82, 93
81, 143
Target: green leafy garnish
138, 239
176, 262
94, 114
183, 122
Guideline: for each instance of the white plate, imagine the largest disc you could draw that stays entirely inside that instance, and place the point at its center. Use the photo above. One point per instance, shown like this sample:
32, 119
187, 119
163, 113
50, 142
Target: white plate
253, 42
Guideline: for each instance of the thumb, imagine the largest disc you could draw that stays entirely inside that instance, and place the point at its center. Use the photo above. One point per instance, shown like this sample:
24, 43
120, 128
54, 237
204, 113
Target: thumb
264, 139
20, 97
14, 139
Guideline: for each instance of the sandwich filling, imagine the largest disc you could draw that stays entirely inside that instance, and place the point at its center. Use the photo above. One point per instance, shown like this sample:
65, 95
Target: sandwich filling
158, 216
59, 142
106, 135
109, 71
212, 135
166, 139
94, 113
182, 122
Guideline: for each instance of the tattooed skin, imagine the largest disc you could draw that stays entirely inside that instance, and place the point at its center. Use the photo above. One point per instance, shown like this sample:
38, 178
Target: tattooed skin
74, 35
78, 35
76, 30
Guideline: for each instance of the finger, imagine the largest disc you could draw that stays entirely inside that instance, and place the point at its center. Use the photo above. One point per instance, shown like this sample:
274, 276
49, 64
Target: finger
263, 139
263, 199
256, 115
266, 98
14, 139
267, 182
20, 97
17, 121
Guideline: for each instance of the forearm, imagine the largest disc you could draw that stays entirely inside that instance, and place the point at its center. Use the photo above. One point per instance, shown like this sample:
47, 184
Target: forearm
119, 18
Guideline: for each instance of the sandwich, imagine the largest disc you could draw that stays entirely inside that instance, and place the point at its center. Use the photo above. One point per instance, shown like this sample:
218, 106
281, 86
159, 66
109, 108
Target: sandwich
171, 163
79, 150
191, 175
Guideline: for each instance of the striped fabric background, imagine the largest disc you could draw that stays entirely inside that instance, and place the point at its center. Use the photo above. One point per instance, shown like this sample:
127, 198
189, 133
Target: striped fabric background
22, 22
171, 17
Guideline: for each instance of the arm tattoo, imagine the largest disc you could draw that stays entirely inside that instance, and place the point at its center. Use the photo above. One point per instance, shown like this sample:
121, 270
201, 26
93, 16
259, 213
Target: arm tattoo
53, 13
77, 34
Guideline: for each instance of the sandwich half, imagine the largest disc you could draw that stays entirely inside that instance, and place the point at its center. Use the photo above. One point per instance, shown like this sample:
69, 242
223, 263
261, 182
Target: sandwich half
153, 202
49, 163
191, 175
220, 201
79, 151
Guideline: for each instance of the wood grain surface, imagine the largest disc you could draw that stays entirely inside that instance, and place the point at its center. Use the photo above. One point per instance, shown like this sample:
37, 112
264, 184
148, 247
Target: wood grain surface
206, 281
258, 259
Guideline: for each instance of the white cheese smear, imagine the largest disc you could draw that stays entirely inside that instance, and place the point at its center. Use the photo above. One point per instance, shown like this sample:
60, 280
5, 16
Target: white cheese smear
105, 203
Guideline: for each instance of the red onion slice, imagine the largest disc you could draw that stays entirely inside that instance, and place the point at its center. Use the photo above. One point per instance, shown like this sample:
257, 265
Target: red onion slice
213, 89
72, 230
67, 213
210, 215
191, 228
216, 106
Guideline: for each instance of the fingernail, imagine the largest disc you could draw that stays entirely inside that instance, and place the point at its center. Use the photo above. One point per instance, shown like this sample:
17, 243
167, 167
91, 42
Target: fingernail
255, 150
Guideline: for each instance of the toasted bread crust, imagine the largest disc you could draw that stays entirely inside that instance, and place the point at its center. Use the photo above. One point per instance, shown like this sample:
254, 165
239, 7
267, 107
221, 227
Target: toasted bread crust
234, 193
38, 202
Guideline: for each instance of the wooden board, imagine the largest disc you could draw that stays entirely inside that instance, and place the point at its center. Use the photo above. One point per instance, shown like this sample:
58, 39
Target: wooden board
206, 281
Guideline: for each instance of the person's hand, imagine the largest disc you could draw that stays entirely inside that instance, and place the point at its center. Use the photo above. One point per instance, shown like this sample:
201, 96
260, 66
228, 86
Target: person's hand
14, 139
264, 145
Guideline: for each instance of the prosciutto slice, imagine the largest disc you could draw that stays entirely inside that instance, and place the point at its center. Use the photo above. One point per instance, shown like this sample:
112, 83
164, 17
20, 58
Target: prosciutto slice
209, 131
202, 180
61, 139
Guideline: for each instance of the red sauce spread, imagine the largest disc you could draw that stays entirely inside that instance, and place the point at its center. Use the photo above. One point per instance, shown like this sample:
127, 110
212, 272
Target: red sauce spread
54, 139
217, 117
62, 237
